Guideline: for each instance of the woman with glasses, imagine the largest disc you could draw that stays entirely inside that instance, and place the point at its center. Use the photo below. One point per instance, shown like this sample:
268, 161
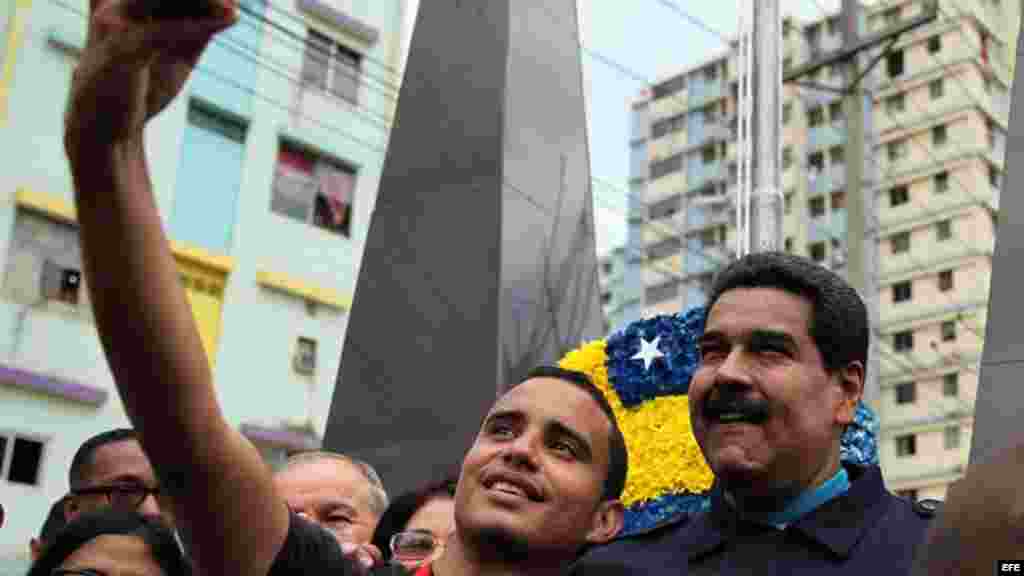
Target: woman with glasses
414, 530
112, 543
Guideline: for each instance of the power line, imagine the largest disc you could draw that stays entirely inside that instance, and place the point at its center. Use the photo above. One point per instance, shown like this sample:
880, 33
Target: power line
694, 20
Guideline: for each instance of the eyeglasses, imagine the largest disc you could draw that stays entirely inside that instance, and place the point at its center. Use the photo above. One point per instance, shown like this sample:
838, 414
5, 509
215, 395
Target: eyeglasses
415, 548
126, 497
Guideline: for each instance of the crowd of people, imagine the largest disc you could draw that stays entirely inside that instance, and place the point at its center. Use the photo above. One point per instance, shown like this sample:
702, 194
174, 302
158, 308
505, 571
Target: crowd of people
781, 373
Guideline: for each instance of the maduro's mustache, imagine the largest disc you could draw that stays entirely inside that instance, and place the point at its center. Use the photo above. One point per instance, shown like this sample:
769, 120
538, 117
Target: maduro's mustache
731, 406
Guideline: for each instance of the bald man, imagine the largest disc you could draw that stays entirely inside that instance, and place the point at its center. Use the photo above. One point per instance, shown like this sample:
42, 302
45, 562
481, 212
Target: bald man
342, 494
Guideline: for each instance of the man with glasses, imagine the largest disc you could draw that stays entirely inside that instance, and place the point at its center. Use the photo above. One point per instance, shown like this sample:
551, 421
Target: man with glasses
110, 470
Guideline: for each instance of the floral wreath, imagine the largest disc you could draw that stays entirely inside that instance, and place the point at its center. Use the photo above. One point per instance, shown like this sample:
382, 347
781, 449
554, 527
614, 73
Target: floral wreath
644, 371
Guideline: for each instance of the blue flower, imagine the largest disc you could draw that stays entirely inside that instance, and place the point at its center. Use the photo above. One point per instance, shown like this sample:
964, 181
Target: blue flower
648, 515
859, 444
670, 375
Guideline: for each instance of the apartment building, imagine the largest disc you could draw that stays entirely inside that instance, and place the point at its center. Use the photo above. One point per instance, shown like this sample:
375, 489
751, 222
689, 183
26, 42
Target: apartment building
266, 171
936, 126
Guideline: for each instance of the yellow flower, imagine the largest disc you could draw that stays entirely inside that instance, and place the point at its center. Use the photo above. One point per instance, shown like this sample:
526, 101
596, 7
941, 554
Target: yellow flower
663, 455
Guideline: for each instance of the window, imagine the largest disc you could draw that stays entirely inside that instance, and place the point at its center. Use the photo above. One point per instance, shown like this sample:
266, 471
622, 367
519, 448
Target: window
906, 393
817, 206
935, 44
666, 208
787, 64
707, 155
788, 203
787, 112
836, 155
949, 331
708, 238
900, 242
44, 262
838, 200
945, 280
951, 385
817, 251
899, 195
669, 87
665, 248
894, 64
20, 459
897, 149
993, 176
664, 167
835, 110
328, 65
944, 230
305, 356
210, 179
903, 341
816, 162
787, 158
815, 116
313, 189
936, 88
951, 437
789, 244
939, 136
901, 291
906, 445
662, 292
606, 298
896, 103
941, 182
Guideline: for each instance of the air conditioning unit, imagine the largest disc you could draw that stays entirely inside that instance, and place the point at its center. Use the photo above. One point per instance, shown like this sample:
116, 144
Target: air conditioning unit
60, 283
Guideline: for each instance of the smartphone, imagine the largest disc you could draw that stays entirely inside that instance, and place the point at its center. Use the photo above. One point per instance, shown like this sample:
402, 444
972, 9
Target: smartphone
171, 9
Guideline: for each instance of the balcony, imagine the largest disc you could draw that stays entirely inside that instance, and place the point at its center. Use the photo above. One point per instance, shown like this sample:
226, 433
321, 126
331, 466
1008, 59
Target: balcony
702, 92
833, 178
831, 225
826, 135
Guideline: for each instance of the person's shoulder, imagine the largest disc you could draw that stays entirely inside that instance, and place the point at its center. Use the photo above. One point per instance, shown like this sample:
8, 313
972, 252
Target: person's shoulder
309, 549
636, 550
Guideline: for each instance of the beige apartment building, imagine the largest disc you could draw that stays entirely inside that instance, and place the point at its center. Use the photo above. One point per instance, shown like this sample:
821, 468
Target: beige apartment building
936, 139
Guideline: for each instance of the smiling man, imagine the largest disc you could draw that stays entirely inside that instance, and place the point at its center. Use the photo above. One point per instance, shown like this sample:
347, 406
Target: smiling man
782, 370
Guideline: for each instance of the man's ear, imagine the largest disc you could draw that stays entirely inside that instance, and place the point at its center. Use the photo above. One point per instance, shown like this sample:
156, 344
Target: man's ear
71, 508
606, 522
851, 387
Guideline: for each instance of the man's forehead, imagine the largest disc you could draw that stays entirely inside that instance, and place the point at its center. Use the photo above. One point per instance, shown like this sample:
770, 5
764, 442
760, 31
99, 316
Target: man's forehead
744, 310
549, 399
121, 458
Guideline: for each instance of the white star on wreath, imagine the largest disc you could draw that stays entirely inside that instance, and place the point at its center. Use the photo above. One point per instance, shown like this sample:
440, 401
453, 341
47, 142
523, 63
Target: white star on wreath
648, 352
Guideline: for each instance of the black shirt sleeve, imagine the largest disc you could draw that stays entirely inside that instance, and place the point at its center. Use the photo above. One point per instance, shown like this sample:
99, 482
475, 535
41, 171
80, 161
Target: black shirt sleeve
309, 549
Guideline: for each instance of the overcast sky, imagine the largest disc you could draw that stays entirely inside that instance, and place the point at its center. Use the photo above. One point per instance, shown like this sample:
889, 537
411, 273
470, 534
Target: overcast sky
652, 40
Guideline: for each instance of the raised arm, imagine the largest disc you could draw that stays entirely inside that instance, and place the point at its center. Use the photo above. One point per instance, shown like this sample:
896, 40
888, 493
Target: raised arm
219, 488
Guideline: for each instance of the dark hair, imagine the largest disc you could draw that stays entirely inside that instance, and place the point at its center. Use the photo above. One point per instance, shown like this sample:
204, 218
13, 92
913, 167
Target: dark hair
403, 508
55, 522
618, 459
158, 537
82, 460
839, 322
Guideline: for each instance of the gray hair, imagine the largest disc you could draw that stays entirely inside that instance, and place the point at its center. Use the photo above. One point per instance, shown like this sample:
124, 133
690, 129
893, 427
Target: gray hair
378, 496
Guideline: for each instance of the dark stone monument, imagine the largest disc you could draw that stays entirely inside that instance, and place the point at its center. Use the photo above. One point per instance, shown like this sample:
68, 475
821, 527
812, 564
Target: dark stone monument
480, 260
1000, 399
